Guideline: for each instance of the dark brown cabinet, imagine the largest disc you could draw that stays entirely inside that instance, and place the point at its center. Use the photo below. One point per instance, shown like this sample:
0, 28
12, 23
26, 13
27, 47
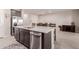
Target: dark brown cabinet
27, 38
68, 28
21, 40
46, 41
23, 36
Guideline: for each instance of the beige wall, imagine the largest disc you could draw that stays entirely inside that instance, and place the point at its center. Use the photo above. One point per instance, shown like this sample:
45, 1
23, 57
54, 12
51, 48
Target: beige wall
62, 18
76, 19
59, 19
7, 18
4, 22
34, 18
1, 23
28, 19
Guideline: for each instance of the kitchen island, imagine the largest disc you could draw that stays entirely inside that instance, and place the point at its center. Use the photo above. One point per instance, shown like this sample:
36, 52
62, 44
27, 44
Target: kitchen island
38, 37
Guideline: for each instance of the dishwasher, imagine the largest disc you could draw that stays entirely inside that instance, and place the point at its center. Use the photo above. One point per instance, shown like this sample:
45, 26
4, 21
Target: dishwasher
35, 40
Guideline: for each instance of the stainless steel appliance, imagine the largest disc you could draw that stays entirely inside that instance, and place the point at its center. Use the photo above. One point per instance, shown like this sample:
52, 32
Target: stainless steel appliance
35, 40
16, 21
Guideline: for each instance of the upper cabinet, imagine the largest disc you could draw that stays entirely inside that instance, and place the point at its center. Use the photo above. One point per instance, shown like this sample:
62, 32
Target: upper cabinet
15, 12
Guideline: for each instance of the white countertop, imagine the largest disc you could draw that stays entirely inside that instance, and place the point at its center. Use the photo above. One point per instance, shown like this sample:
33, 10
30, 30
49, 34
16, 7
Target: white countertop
41, 29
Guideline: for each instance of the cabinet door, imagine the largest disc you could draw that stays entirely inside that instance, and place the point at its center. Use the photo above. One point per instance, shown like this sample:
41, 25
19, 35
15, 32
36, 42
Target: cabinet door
27, 38
17, 34
22, 36
47, 41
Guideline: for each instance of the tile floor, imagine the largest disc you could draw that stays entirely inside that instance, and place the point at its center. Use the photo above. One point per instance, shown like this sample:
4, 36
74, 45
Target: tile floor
64, 40
67, 40
10, 42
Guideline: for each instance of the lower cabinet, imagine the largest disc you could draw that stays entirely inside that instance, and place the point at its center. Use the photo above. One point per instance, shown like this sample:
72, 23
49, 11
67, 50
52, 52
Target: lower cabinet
26, 38
46, 41
21, 39
23, 36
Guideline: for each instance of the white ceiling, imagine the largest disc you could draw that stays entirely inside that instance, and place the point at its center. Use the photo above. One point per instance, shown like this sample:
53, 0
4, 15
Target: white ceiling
45, 11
